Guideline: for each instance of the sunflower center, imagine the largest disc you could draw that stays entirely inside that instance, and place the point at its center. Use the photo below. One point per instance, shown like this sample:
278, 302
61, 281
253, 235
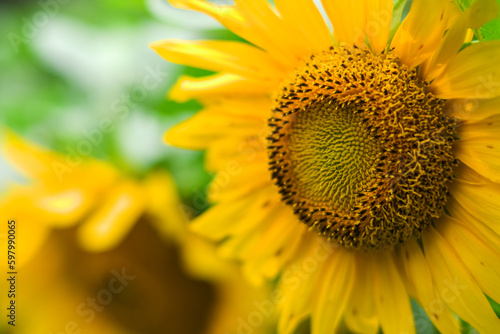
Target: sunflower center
361, 150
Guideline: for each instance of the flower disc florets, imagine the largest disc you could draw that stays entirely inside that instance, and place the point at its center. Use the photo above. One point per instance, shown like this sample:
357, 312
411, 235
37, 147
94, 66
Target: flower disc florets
361, 149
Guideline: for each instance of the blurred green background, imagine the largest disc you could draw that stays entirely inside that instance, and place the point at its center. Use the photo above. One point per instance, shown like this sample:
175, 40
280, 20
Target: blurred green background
66, 66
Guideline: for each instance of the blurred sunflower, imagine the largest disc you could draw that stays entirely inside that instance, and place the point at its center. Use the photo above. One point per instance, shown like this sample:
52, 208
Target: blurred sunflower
361, 168
115, 228
176, 285
95, 196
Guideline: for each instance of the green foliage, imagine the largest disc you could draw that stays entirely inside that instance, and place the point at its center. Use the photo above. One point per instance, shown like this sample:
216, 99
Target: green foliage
491, 30
495, 306
401, 9
49, 105
107, 13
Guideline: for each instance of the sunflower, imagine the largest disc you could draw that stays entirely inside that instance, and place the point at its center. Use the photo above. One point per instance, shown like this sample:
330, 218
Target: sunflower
209, 293
360, 168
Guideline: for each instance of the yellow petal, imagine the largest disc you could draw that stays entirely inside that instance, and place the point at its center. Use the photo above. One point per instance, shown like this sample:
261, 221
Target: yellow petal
222, 56
224, 219
334, 289
119, 211
479, 146
250, 107
419, 278
475, 110
451, 44
390, 296
305, 15
30, 238
475, 16
29, 158
263, 257
273, 234
250, 149
200, 259
469, 219
478, 257
233, 19
258, 243
54, 171
297, 239
259, 24
232, 182
378, 23
469, 36
217, 86
457, 288
210, 125
163, 204
94, 176
299, 285
421, 31
478, 196
30, 224
260, 15
66, 207
360, 314
259, 270
348, 18
474, 73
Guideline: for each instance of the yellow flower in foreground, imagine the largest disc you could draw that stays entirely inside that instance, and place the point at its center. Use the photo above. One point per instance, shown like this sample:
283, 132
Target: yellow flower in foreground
361, 169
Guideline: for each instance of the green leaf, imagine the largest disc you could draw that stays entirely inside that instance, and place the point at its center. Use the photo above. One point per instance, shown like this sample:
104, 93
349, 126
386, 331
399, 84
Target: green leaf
491, 30
423, 324
401, 9
495, 306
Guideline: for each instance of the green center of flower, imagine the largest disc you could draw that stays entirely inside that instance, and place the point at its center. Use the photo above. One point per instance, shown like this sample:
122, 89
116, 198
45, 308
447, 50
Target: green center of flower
329, 143
361, 150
